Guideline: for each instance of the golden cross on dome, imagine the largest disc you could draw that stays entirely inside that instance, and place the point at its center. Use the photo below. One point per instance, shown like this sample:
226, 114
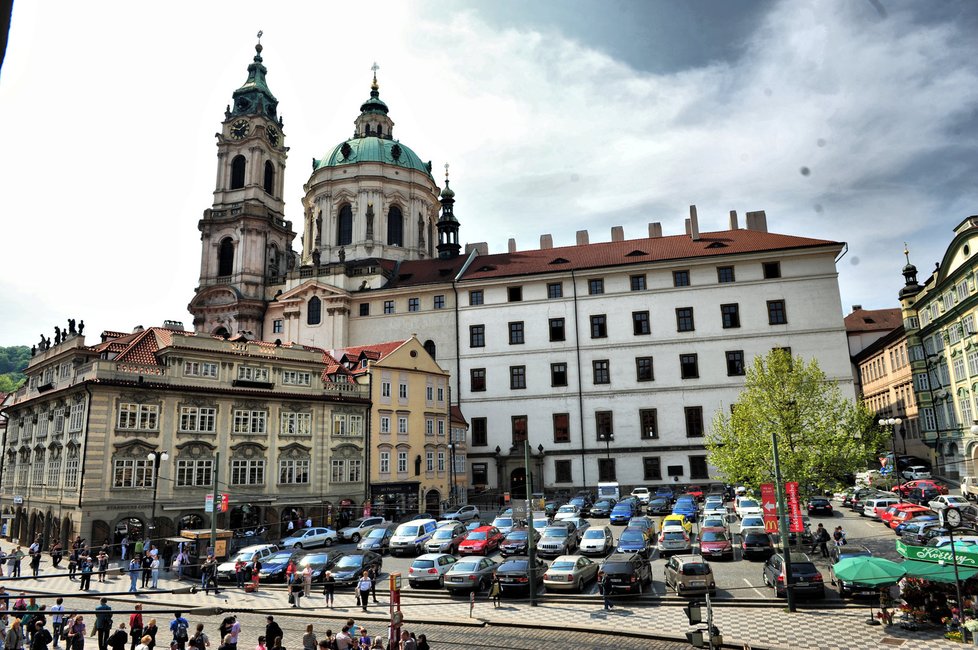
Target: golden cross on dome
446, 171
906, 252
375, 68
260, 32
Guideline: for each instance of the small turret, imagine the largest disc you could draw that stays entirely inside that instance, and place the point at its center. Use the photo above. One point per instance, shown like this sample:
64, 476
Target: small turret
448, 246
911, 288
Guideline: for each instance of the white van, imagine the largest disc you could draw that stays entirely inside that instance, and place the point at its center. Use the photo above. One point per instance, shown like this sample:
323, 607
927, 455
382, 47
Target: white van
609, 490
412, 536
869, 509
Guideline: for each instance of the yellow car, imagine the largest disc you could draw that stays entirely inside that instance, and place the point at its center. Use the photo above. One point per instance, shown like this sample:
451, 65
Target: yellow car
677, 521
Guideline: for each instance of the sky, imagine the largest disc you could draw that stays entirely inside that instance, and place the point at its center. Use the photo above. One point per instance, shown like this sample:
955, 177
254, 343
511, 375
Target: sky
850, 121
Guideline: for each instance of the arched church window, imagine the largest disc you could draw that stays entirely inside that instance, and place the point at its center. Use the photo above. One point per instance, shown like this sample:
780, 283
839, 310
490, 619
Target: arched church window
344, 226
238, 172
429, 346
225, 257
269, 177
395, 227
380, 131
314, 311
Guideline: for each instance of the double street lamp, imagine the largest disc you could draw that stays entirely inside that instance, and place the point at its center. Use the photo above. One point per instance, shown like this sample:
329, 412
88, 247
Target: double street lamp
607, 437
892, 423
156, 457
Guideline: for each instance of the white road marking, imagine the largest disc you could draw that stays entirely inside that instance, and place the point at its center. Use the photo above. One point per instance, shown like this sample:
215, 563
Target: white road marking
754, 588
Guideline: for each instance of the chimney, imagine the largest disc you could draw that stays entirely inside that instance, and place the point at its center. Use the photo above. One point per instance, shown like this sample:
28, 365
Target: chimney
757, 221
688, 231
655, 230
856, 307
733, 220
137, 329
694, 226
582, 238
480, 246
546, 241
173, 325
617, 233
511, 247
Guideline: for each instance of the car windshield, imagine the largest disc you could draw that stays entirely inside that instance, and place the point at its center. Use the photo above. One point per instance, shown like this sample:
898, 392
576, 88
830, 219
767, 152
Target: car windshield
714, 521
658, 502
516, 536
443, 533
714, 536
752, 521
803, 568
502, 521
594, 533
540, 523
356, 523
314, 558
696, 569
377, 533
747, 503
466, 566
244, 556
555, 531
566, 509
617, 567
604, 503
673, 535
476, 535
281, 556
576, 501
632, 536
638, 523
423, 564
562, 566
755, 538
349, 561
513, 565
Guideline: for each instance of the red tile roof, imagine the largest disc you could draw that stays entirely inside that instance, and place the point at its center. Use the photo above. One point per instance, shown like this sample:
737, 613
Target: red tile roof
418, 272
874, 320
374, 351
456, 415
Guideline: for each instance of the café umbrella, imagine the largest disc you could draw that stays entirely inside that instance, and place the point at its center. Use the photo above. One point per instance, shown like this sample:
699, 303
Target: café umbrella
869, 572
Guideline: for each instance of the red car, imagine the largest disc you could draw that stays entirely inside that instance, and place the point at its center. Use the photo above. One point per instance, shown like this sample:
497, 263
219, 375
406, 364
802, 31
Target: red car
715, 543
695, 491
907, 487
481, 541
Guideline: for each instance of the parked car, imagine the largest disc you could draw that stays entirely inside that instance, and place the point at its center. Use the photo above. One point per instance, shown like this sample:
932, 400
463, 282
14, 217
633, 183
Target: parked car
623, 511
664, 492
942, 501
319, 561
891, 511
540, 522
412, 536
805, 577
642, 494
597, 541
846, 589
902, 528
602, 508
674, 540
915, 472
820, 506
470, 574
695, 491
745, 506
659, 506
349, 567
567, 510
716, 543
677, 521
463, 513
446, 539
570, 572
752, 522
645, 524
430, 569
504, 524
481, 541
514, 573
686, 506
550, 507
310, 538
629, 572
756, 544
908, 514
358, 528
921, 496
915, 532
516, 542
557, 540
634, 540
860, 496
472, 525
875, 507
689, 575
578, 524
225, 570
378, 539
273, 567
583, 504
930, 484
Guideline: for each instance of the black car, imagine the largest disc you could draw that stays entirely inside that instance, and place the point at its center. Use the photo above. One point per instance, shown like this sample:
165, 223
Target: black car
584, 503
805, 578
757, 544
602, 508
819, 506
839, 553
514, 573
550, 507
515, 542
319, 561
860, 496
350, 567
273, 568
659, 506
629, 573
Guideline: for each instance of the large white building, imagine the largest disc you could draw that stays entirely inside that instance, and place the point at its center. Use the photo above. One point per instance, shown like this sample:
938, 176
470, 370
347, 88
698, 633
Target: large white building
611, 358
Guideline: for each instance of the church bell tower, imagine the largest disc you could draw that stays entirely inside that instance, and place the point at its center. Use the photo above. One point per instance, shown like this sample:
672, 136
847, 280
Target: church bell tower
246, 243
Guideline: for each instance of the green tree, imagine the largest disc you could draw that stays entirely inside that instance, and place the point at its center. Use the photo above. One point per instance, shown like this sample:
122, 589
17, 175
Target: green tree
821, 435
13, 361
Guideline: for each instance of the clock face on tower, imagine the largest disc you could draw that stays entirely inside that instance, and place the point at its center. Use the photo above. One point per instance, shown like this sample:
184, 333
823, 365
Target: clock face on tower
239, 129
272, 135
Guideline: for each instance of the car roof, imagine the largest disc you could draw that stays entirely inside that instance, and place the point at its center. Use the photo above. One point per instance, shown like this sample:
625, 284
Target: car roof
690, 559
567, 558
621, 557
713, 529
484, 529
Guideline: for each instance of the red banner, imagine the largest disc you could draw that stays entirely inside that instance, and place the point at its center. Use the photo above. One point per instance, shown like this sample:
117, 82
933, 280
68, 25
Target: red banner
769, 506
795, 522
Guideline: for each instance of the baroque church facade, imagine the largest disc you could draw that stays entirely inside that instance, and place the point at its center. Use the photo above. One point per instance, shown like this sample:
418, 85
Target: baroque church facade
609, 358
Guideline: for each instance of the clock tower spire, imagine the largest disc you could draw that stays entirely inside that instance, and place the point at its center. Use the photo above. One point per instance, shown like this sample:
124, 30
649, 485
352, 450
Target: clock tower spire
245, 239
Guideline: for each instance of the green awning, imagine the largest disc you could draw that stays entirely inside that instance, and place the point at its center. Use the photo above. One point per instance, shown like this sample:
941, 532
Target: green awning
936, 572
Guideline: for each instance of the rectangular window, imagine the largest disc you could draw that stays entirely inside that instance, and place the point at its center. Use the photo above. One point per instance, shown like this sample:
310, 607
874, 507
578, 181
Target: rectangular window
402, 425
562, 471
402, 391
385, 462
776, 314
337, 470
735, 363
604, 425
200, 369
250, 421
441, 394
247, 472
561, 427
76, 417
698, 468
606, 469
441, 461
439, 302
294, 378
429, 427
555, 290
599, 327
198, 419
130, 473
364, 308
684, 319
429, 393
972, 366
298, 424
640, 323
140, 417
354, 470
637, 282
388, 306
402, 462
725, 274
475, 297
514, 294
651, 468
558, 374
385, 389
195, 473
519, 429
516, 333
294, 472
958, 367
557, 329
602, 371
385, 424
772, 270
680, 278
477, 336
517, 377
441, 427
694, 421
968, 323
477, 379
643, 369
278, 326
480, 473
58, 426
414, 304
251, 373
480, 437
595, 286
648, 424
730, 315
429, 457
689, 366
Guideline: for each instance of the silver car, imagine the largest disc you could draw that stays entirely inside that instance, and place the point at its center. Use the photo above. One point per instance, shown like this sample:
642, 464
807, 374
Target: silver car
462, 513
597, 541
470, 574
674, 540
377, 540
430, 568
570, 572
557, 540
358, 528
446, 538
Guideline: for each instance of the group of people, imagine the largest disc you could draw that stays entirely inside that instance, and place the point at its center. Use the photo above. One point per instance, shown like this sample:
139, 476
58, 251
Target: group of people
821, 539
350, 637
300, 586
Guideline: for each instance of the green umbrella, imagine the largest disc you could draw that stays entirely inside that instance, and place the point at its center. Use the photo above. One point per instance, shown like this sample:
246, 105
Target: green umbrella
869, 571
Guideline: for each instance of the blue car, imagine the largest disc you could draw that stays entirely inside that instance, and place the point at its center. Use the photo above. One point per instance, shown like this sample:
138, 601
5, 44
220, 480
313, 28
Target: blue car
622, 512
686, 506
634, 540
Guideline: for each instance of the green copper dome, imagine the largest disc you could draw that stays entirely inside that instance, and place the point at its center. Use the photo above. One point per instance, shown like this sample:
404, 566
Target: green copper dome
372, 149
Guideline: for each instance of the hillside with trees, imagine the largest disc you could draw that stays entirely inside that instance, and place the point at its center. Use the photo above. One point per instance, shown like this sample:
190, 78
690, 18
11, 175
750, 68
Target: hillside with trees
13, 361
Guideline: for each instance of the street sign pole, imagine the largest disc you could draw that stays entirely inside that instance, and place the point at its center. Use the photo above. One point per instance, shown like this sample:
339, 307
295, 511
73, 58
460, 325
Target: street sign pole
530, 546
214, 501
783, 517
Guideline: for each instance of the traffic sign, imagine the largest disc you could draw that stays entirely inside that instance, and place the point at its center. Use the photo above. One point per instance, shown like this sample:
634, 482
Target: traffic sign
770, 508
795, 522
520, 511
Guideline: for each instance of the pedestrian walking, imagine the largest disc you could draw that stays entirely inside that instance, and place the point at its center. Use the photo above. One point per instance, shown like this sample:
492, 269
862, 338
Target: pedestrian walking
372, 574
136, 626
56, 555
120, 638
145, 564
306, 581
35, 562
199, 640
605, 587
134, 571
329, 587
309, 640
494, 590
820, 540
57, 620
295, 593
272, 629
209, 575
151, 630
233, 634
103, 564
86, 574
41, 637
124, 549
15, 559
363, 589
72, 565
103, 623
154, 568
180, 629
76, 634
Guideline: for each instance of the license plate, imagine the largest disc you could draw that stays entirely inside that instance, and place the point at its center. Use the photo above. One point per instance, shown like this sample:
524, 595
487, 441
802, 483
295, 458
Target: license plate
456, 579
697, 583
801, 584
618, 580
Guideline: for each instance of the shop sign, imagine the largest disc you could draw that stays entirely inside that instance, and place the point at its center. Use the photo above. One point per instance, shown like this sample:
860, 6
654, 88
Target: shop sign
940, 555
795, 522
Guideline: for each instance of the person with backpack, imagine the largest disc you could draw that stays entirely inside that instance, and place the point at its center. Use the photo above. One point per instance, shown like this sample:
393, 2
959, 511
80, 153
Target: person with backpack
41, 637
119, 638
57, 620
179, 627
199, 640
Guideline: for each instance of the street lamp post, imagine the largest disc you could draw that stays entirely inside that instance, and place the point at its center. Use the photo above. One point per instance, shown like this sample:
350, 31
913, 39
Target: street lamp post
892, 423
156, 457
451, 473
607, 437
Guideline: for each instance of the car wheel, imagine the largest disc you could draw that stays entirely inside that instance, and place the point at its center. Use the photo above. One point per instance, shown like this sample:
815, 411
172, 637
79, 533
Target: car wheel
328, 542
641, 587
355, 538
764, 579
441, 582
297, 545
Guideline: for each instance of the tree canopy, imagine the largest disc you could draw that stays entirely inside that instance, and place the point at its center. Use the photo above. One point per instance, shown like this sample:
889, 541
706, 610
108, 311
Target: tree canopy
13, 361
822, 436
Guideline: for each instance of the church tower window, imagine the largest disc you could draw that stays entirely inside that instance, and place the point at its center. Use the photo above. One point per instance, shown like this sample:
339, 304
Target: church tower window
314, 311
344, 226
225, 257
269, 177
238, 172
395, 227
